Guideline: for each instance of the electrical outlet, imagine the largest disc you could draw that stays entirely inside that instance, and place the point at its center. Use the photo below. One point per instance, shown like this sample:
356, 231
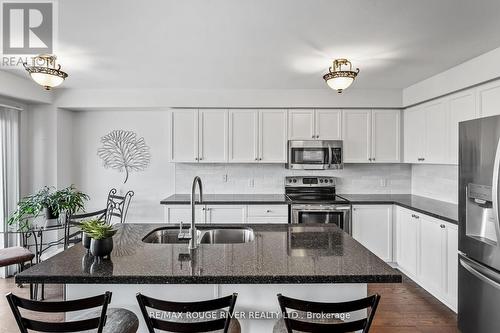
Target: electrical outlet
383, 182
224, 178
251, 182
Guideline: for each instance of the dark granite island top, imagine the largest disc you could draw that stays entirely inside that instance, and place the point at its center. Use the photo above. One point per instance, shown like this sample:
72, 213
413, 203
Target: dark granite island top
280, 253
229, 199
439, 209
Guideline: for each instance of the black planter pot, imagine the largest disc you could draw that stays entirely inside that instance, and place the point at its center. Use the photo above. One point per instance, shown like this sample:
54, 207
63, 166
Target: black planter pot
50, 214
86, 240
101, 247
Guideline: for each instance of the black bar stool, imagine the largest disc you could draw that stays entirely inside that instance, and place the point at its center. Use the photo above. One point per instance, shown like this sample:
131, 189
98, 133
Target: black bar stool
338, 326
223, 323
103, 319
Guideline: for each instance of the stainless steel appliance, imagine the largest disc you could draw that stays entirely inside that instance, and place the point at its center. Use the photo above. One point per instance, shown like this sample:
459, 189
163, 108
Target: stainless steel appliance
479, 229
314, 154
313, 200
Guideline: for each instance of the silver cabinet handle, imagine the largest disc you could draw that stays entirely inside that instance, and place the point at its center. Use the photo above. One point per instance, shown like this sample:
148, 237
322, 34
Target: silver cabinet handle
317, 136
268, 211
373, 158
256, 158
196, 158
442, 226
200, 158
369, 159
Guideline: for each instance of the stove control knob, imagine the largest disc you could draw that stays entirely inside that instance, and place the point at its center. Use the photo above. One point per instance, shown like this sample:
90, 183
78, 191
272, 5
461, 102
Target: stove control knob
295, 180
321, 180
290, 180
331, 180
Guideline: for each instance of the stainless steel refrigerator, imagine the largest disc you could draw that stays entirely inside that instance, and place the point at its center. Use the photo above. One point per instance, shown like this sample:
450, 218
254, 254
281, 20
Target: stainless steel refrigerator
479, 229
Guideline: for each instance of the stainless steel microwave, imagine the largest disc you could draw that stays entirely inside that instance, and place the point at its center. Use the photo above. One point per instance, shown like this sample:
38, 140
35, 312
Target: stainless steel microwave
315, 154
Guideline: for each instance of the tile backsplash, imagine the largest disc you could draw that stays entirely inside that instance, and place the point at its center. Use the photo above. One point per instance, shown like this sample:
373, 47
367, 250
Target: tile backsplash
438, 182
269, 178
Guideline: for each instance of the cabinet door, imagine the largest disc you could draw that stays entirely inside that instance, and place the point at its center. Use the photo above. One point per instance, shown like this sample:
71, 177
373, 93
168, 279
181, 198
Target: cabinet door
225, 213
431, 254
243, 136
462, 108
182, 213
213, 136
301, 125
372, 227
184, 135
414, 134
436, 138
489, 99
452, 264
386, 136
328, 124
407, 241
356, 131
272, 136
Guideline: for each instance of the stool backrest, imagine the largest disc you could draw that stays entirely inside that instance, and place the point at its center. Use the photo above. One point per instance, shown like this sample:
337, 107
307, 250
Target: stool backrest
292, 324
118, 205
26, 324
185, 307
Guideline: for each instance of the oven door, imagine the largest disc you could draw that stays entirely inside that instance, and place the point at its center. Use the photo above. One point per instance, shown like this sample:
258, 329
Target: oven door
339, 215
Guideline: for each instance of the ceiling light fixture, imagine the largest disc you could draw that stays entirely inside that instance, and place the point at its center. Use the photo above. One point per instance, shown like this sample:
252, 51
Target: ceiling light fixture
45, 72
340, 75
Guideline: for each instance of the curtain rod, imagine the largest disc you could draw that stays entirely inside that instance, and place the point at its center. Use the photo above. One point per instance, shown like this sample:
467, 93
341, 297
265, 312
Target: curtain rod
11, 107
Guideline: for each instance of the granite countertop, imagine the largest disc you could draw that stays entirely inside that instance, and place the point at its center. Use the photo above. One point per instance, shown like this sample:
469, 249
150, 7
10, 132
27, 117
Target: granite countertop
232, 199
280, 253
439, 209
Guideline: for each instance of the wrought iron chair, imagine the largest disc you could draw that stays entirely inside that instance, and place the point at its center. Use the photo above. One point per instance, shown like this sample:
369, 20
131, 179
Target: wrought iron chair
118, 206
293, 323
73, 237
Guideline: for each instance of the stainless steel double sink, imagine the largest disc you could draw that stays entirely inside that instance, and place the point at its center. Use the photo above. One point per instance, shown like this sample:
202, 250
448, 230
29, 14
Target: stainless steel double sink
206, 235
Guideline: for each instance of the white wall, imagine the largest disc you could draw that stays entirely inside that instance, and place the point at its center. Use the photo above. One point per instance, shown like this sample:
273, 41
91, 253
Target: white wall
439, 182
23, 89
89, 174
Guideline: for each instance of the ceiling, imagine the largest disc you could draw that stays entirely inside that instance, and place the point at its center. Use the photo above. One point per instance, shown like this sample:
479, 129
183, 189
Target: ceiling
267, 44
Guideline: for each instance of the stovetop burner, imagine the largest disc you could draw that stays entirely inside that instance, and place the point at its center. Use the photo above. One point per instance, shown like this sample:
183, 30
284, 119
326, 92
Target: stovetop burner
321, 189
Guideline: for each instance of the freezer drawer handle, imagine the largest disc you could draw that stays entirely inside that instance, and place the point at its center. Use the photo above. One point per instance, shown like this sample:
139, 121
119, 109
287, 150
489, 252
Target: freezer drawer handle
477, 274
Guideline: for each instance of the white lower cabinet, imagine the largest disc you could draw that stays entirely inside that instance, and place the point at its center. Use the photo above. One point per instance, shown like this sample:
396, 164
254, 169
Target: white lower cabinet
372, 227
225, 213
228, 213
427, 251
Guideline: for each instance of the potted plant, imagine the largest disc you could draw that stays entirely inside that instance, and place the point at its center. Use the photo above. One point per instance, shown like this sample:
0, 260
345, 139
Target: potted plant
101, 243
54, 202
86, 227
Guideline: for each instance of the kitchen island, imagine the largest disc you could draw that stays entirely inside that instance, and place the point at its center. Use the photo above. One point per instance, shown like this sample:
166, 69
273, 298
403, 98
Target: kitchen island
315, 262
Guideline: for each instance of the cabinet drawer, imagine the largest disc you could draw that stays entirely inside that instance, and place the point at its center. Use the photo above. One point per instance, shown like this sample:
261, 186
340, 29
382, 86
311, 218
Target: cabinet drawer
268, 210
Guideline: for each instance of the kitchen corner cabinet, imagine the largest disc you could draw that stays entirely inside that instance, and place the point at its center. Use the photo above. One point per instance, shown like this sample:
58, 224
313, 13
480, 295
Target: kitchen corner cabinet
199, 136
309, 124
427, 251
426, 133
371, 136
257, 136
372, 227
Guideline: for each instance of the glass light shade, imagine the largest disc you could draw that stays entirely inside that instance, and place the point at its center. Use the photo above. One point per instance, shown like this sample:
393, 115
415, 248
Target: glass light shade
340, 83
47, 80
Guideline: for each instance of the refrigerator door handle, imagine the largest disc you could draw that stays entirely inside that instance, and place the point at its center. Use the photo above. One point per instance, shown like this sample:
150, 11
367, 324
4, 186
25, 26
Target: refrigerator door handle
494, 194
478, 272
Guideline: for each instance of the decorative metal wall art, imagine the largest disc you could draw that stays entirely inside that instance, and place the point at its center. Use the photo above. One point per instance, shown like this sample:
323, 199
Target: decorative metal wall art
123, 151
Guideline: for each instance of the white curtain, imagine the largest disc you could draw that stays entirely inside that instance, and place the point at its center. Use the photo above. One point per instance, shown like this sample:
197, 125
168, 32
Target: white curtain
9, 169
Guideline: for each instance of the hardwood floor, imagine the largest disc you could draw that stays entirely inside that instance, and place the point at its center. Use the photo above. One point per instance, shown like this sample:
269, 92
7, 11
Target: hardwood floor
7, 321
403, 308
406, 308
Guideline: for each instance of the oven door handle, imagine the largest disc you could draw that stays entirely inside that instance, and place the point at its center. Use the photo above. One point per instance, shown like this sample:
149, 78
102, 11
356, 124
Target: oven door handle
343, 208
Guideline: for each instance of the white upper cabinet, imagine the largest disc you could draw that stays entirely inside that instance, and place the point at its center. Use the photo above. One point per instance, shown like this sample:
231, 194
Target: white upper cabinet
489, 99
184, 135
321, 124
213, 136
328, 124
386, 136
356, 131
462, 108
272, 136
243, 135
436, 134
371, 136
301, 125
414, 134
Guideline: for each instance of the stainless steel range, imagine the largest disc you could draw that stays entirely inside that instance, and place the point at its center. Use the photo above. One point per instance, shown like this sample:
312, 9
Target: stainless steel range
313, 200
